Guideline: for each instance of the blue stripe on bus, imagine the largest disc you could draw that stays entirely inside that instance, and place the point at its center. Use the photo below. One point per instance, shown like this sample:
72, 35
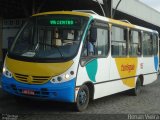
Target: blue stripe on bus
58, 92
156, 63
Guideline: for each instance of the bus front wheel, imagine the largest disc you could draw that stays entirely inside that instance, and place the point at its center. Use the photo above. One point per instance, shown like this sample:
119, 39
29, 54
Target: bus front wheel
82, 98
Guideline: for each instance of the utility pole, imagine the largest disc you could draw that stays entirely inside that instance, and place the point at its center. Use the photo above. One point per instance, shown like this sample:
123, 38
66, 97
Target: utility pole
116, 8
33, 7
108, 7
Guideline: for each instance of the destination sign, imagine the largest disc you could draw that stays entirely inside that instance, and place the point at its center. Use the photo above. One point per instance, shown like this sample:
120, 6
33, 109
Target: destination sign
62, 22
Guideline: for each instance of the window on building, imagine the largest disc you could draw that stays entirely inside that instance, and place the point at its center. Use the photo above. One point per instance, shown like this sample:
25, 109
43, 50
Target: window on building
119, 41
134, 43
147, 44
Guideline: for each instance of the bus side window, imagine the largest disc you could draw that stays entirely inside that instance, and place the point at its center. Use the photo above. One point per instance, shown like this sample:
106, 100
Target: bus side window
92, 39
96, 43
147, 44
135, 43
139, 44
155, 44
119, 41
89, 47
102, 43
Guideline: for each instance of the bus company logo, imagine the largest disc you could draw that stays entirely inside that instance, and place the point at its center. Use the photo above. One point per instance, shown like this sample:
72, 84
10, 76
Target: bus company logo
29, 79
127, 67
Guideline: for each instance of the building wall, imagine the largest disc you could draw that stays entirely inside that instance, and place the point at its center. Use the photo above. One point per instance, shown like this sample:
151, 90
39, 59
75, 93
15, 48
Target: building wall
138, 10
10, 29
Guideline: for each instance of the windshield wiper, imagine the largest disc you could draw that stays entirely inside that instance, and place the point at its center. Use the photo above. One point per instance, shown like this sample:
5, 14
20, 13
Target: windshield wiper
37, 46
62, 56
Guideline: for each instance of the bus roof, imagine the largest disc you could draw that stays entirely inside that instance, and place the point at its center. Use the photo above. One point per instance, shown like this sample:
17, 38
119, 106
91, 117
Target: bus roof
123, 24
96, 16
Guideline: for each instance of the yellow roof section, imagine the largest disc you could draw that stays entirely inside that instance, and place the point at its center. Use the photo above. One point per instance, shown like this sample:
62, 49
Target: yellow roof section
118, 22
64, 12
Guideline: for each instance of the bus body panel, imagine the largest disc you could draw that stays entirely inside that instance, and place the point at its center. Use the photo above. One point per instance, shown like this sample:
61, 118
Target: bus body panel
119, 78
59, 92
150, 69
95, 71
109, 88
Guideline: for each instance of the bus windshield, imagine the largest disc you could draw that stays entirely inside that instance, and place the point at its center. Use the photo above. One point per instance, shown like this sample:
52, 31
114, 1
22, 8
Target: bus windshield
49, 37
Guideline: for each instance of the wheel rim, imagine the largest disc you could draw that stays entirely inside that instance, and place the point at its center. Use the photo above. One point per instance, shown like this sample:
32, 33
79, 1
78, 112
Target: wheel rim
82, 97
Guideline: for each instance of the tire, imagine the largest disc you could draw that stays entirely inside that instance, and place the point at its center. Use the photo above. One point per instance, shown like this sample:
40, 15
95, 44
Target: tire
137, 90
82, 100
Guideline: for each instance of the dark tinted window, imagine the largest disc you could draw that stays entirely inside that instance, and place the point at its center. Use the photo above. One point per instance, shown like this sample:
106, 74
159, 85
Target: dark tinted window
134, 43
147, 44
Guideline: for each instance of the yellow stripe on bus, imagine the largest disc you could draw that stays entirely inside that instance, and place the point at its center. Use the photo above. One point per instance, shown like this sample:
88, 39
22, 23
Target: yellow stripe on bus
63, 12
127, 68
37, 69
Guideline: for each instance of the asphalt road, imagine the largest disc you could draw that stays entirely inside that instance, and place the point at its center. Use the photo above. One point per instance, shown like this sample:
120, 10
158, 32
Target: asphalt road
148, 102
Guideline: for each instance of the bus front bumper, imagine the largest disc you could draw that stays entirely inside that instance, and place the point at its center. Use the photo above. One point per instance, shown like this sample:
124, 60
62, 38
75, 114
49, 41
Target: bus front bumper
64, 92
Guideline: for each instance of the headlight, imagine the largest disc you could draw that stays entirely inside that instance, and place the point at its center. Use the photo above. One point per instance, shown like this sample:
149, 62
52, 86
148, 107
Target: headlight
63, 78
66, 76
4, 69
6, 72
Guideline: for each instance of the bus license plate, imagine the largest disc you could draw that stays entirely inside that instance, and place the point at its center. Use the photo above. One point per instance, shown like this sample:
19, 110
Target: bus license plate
28, 92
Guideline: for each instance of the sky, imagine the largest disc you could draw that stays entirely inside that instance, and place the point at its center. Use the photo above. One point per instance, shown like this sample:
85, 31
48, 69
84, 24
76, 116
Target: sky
153, 3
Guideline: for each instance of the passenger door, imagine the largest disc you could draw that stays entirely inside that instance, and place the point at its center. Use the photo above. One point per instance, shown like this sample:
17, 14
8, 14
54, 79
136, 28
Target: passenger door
94, 62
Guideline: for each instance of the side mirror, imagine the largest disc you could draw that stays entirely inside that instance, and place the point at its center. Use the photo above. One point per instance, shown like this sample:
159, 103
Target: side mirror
82, 62
93, 34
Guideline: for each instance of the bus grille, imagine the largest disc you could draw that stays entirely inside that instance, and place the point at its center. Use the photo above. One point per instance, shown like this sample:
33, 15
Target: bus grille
31, 79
